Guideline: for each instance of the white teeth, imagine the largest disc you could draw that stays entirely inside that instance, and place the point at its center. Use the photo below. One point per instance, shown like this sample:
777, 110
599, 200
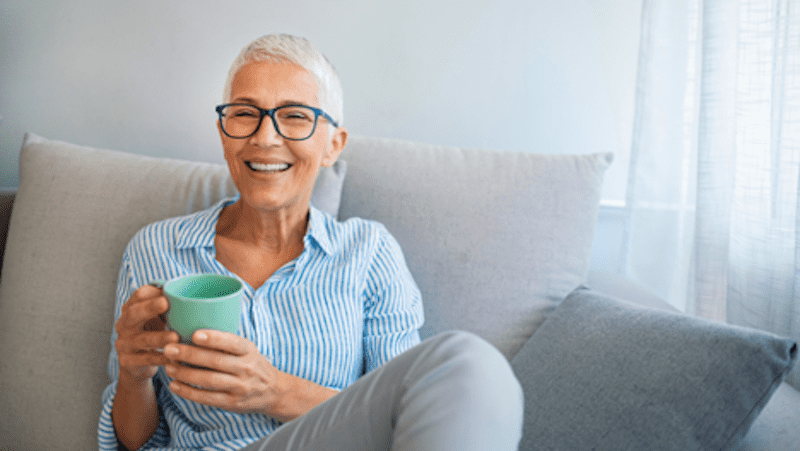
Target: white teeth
269, 167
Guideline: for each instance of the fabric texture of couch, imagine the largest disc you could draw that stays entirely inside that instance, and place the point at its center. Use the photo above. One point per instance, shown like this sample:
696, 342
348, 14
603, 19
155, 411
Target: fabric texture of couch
495, 240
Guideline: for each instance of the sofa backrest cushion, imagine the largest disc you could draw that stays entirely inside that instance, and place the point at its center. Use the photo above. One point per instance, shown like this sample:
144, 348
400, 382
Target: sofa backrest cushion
75, 211
494, 239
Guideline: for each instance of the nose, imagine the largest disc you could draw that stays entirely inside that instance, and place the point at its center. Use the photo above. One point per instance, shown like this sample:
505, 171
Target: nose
266, 134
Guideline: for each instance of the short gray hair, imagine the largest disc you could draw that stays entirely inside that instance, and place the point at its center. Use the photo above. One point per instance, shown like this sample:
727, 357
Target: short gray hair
284, 48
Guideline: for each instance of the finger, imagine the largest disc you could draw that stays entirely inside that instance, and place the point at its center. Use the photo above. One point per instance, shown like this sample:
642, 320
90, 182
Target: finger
201, 377
147, 291
145, 341
141, 311
211, 398
150, 358
144, 293
136, 308
154, 340
223, 341
202, 357
158, 323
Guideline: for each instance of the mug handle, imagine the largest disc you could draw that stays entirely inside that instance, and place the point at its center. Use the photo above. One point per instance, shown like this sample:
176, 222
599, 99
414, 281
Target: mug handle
158, 283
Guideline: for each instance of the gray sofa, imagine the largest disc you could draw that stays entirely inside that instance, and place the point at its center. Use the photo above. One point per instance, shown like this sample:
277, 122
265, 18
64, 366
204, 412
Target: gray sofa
496, 241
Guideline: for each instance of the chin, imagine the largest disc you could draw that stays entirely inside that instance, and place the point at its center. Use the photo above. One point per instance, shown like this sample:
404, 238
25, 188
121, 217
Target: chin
268, 202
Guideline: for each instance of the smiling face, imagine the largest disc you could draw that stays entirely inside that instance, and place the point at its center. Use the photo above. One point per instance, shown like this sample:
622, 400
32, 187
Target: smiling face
273, 173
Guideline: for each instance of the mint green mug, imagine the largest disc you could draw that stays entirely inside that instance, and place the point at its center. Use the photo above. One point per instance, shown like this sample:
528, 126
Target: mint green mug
202, 301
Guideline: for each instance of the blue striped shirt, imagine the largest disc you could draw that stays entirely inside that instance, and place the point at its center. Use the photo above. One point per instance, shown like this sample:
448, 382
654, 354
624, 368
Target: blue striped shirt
345, 306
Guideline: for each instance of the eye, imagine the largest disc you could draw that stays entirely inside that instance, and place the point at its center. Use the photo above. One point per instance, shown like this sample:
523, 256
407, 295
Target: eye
243, 112
296, 114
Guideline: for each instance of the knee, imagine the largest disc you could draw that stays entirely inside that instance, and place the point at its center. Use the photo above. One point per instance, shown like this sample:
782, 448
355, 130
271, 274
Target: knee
471, 375
478, 364
469, 348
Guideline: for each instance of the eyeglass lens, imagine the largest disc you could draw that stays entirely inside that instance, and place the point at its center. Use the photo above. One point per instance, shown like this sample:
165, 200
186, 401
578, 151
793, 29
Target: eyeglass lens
293, 122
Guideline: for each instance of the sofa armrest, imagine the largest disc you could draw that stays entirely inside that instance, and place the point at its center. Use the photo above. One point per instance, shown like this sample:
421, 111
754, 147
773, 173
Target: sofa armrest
6, 202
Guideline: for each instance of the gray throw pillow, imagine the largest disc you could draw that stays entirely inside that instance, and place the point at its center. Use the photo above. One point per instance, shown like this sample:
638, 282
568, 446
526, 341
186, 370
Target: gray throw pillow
602, 374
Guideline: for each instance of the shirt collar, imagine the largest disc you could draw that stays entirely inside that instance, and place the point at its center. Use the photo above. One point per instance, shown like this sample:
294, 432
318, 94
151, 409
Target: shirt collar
318, 231
202, 230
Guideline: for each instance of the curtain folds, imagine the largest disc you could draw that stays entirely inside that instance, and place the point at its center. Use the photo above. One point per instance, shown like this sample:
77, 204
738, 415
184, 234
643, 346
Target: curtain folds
713, 201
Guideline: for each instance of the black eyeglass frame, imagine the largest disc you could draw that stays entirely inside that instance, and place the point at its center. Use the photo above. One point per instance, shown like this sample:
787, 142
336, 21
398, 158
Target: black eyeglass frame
271, 113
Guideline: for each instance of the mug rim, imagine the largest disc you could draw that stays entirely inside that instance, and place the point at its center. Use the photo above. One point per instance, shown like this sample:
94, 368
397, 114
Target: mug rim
238, 287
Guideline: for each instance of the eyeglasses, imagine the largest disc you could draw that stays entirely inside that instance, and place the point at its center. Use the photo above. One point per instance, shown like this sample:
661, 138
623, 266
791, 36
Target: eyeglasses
294, 122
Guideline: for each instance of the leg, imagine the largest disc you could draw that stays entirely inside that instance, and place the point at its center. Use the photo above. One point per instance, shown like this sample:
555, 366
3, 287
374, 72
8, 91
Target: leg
451, 392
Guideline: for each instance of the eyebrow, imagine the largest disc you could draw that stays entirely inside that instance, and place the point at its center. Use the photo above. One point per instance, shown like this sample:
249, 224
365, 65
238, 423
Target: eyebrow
281, 103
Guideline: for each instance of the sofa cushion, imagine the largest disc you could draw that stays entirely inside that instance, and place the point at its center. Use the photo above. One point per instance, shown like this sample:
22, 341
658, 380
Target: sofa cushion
75, 211
607, 375
494, 239
776, 429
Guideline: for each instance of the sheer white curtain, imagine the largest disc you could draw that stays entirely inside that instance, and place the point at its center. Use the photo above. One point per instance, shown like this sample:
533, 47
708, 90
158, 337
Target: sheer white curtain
713, 212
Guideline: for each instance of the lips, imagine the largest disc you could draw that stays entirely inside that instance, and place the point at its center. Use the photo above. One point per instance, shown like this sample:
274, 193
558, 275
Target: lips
267, 167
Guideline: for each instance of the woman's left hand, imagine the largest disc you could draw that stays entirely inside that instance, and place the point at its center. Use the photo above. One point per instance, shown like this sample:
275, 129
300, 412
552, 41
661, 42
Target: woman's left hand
236, 377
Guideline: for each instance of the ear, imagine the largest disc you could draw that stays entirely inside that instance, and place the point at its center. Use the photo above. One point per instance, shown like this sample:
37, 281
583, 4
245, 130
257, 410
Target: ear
219, 129
335, 147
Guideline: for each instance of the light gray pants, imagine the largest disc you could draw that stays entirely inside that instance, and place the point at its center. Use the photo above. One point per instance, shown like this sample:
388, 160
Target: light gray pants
451, 392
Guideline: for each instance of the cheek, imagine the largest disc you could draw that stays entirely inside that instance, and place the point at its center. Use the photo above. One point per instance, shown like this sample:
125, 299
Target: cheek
229, 155
309, 154
322, 151
234, 166
232, 148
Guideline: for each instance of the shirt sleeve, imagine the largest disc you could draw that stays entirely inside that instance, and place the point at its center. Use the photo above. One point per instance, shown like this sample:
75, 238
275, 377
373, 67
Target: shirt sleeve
393, 310
106, 435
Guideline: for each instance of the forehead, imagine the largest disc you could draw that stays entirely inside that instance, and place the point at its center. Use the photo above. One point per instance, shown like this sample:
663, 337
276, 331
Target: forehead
269, 83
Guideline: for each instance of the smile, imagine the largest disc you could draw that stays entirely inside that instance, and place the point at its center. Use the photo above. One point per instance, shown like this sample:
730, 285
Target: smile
260, 167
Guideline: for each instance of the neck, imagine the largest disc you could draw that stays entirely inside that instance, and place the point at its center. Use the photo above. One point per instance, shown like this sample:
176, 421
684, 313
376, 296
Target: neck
276, 231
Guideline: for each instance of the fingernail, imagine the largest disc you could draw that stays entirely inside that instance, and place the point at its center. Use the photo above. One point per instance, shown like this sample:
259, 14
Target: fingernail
170, 351
200, 336
170, 370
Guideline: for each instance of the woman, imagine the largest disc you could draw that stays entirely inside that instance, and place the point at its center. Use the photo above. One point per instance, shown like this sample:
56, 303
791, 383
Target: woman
325, 303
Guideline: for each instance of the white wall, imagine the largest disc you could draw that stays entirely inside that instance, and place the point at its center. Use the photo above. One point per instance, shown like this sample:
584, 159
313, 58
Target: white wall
554, 76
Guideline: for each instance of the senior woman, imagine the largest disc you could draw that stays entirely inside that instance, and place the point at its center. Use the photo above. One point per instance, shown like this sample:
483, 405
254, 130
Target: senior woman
329, 354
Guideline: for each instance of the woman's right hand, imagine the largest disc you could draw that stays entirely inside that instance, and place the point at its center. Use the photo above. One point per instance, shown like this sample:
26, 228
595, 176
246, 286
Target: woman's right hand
141, 335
